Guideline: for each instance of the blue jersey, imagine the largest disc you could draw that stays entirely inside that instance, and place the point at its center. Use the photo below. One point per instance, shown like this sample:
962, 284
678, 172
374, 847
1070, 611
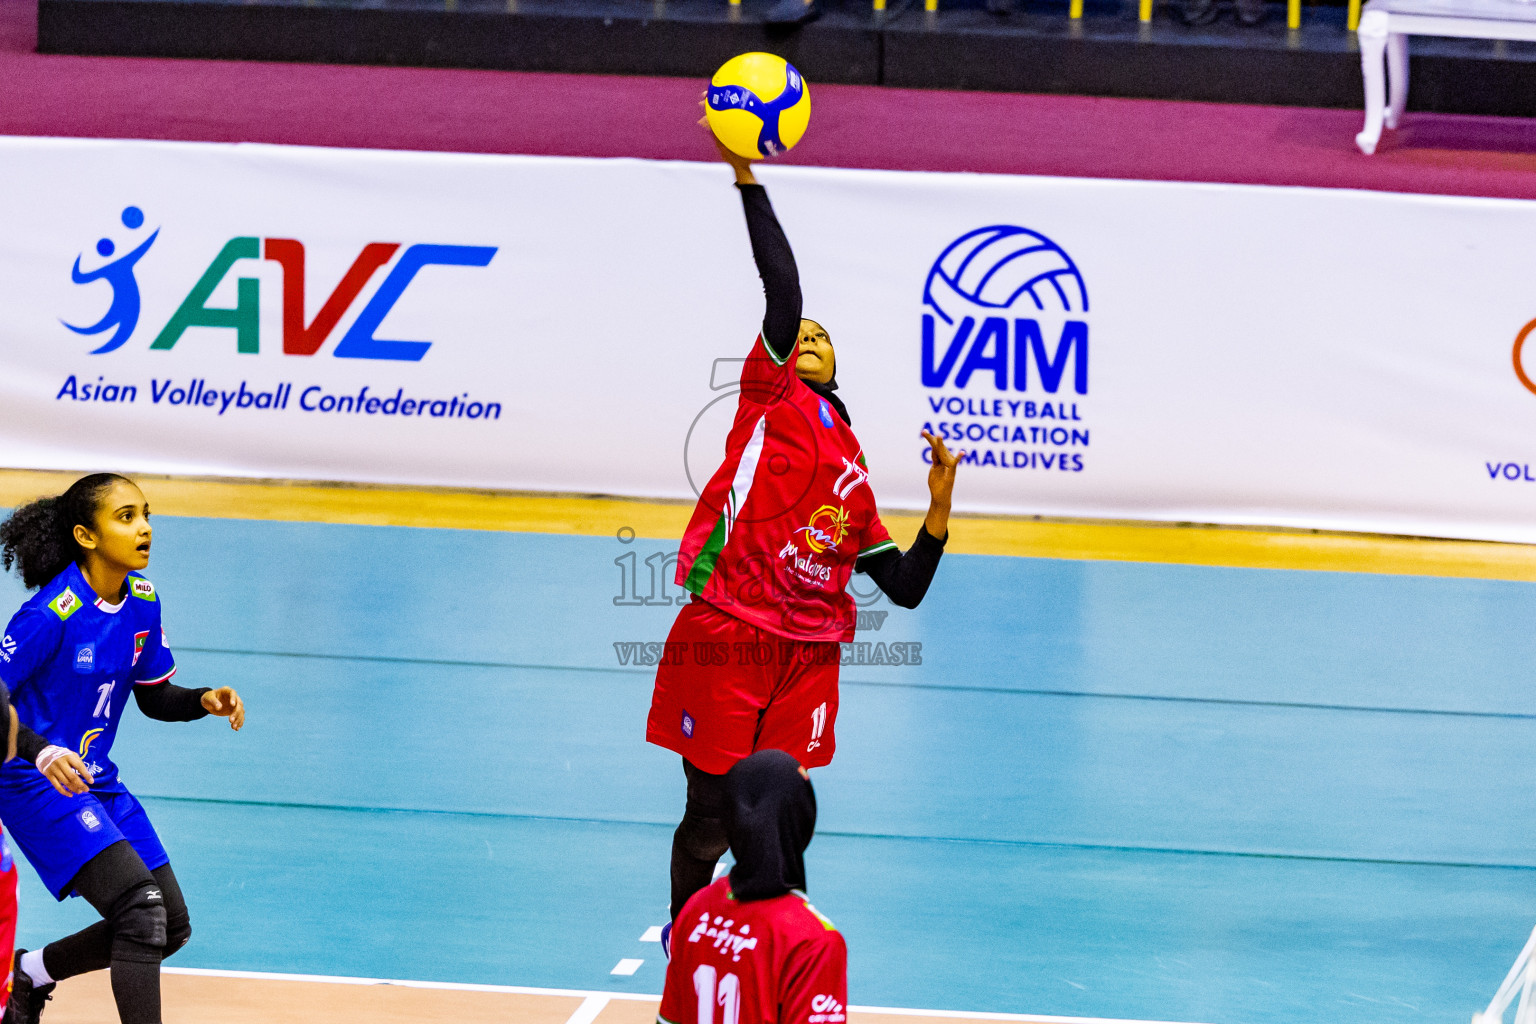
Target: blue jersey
70, 659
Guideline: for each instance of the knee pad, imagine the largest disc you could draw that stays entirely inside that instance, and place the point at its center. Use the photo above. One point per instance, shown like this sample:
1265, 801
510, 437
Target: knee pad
139, 925
178, 930
702, 838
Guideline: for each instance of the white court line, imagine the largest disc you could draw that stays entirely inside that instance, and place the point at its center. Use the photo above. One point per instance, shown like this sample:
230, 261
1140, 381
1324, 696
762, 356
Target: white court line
587, 1012
626, 967
444, 986
584, 994
652, 934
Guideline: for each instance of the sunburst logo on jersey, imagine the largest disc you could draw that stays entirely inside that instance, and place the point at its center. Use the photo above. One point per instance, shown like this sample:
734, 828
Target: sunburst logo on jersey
88, 739
827, 528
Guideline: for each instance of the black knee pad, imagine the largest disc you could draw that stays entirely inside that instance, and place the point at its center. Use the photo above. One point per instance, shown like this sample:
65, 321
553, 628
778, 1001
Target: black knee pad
178, 930
702, 838
138, 924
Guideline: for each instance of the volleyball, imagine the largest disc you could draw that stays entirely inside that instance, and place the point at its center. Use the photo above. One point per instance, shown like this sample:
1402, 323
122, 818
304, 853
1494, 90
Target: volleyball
758, 105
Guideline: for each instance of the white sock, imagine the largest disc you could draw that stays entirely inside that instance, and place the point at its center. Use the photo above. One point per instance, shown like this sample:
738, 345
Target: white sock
32, 964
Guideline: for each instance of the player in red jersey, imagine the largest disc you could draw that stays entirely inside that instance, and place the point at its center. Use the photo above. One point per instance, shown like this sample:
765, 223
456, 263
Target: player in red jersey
9, 729
750, 948
788, 517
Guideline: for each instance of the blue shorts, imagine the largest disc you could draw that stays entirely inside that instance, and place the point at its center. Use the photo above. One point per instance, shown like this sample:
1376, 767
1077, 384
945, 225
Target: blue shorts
59, 834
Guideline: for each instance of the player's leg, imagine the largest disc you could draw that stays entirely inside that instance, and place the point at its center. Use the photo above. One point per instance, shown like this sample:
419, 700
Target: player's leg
91, 948
801, 717
133, 822
60, 835
130, 938
178, 923
699, 842
708, 698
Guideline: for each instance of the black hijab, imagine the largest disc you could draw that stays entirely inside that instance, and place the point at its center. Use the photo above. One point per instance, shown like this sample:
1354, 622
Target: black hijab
770, 814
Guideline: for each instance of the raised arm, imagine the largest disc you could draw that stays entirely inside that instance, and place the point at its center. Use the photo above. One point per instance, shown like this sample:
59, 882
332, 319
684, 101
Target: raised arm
775, 261
776, 266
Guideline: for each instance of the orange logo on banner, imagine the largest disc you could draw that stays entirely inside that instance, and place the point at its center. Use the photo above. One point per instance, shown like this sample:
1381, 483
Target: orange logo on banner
1525, 332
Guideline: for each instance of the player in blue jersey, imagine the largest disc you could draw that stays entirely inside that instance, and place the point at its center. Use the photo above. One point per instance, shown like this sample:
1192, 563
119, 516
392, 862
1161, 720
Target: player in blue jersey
70, 656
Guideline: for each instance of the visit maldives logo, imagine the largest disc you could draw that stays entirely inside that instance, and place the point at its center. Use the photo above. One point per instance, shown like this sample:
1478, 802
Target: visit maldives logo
121, 321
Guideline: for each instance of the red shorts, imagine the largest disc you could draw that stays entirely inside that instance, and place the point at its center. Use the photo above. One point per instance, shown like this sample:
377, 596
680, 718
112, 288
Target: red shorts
725, 689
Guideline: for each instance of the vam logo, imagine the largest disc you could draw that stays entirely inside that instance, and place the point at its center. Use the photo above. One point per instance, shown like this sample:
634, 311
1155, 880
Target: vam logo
244, 318
998, 299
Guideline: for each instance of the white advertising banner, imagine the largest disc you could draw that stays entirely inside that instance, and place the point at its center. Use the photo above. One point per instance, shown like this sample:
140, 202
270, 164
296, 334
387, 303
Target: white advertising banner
1214, 353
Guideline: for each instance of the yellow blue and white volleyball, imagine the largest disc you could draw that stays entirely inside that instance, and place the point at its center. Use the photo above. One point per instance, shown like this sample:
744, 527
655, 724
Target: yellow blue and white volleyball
758, 105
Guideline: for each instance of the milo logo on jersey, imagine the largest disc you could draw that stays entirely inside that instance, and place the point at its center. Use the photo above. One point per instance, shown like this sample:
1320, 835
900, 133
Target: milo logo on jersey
1004, 353
65, 605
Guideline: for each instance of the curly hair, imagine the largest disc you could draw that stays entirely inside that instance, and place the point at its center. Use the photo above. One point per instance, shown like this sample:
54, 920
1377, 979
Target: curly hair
39, 537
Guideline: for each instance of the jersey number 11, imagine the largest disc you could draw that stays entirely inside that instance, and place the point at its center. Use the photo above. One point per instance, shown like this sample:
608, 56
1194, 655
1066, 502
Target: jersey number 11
728, 995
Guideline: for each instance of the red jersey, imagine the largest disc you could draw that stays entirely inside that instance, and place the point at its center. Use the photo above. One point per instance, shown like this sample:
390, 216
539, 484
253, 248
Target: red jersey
773, 961
8, 879
775, 534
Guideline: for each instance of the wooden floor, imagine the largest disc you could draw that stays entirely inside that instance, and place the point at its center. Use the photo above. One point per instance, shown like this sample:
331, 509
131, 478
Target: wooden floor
211, 1000
1033, 537
207, 998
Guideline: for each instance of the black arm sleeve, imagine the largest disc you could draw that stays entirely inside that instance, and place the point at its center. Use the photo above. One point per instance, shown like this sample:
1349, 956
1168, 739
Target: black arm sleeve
776, 266
29, 744
167, 702
905, 577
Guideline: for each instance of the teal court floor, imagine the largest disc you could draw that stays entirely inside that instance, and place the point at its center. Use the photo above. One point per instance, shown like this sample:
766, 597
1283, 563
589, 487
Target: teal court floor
1110, 789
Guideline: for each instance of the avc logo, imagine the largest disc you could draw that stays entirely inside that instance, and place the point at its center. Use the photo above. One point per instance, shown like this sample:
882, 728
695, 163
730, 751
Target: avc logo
244, 318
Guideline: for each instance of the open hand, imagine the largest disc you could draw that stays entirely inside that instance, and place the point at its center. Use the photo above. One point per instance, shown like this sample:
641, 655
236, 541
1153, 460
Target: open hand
941, 484
941, 473
225, 703
65, 770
